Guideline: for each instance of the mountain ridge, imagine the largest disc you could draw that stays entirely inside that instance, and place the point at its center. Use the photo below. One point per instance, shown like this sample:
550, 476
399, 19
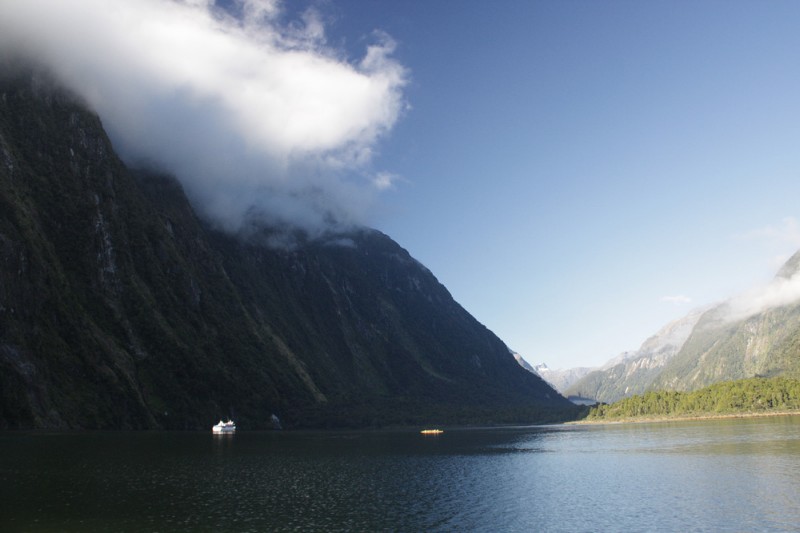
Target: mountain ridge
121, 308
559, 379
754, 334
634, 372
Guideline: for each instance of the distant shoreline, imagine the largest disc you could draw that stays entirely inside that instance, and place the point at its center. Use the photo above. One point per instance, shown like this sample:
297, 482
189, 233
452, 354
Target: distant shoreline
682, 418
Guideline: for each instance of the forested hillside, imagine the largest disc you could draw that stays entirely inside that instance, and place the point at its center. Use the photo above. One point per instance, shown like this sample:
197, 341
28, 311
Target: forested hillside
723, 347
120, 308
755, 395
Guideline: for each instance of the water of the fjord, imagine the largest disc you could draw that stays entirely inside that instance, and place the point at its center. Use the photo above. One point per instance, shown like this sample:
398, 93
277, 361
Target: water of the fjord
714, 475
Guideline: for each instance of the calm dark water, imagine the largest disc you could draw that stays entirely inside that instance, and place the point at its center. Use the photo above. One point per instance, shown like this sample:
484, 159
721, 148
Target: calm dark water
726, 475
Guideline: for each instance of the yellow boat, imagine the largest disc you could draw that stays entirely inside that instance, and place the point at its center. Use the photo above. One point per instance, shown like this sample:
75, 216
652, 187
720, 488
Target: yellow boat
432, 431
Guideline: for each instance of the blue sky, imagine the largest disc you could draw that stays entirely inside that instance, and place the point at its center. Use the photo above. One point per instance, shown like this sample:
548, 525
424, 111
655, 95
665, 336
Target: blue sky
577, 173
580, 173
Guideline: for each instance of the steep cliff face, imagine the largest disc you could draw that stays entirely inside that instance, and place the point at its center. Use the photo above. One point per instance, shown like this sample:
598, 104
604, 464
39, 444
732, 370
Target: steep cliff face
103, 320
119, 308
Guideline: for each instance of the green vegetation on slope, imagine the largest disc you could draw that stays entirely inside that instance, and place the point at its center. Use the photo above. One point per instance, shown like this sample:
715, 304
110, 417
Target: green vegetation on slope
754, 395
121, 309
721, 349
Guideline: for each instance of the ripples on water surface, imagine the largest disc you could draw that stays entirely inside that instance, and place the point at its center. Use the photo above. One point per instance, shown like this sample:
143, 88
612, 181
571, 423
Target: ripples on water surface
722, 475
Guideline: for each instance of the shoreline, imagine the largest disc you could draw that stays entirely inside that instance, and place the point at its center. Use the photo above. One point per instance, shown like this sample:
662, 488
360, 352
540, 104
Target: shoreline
683, 418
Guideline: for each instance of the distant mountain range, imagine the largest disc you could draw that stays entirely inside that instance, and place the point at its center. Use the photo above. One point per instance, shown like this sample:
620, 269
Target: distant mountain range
559, 379
754, 334
634, 372
120, 308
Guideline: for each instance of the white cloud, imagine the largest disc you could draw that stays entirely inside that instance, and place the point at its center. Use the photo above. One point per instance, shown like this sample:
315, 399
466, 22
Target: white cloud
779, 292
678, 299
385, 180
253, 116
256, 11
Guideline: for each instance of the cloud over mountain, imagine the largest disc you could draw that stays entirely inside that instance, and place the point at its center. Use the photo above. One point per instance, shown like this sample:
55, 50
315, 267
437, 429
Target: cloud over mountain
254, 112
777, 293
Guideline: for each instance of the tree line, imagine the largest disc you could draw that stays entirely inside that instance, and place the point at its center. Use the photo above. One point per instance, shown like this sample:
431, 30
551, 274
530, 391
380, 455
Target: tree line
751, 395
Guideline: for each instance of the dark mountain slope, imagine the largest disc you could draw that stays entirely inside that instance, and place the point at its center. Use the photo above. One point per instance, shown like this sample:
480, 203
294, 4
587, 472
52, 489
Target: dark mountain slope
371, 316
109, 319
119, 308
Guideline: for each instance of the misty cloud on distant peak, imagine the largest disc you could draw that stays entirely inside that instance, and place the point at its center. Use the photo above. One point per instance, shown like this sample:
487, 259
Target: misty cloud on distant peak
256, 116
777, 293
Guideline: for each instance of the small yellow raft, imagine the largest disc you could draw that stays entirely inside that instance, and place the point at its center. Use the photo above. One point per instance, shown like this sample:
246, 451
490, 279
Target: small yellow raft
432, 431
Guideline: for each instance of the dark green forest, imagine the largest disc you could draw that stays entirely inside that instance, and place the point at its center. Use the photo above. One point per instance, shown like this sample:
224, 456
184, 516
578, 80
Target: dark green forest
744, 396
121, 309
